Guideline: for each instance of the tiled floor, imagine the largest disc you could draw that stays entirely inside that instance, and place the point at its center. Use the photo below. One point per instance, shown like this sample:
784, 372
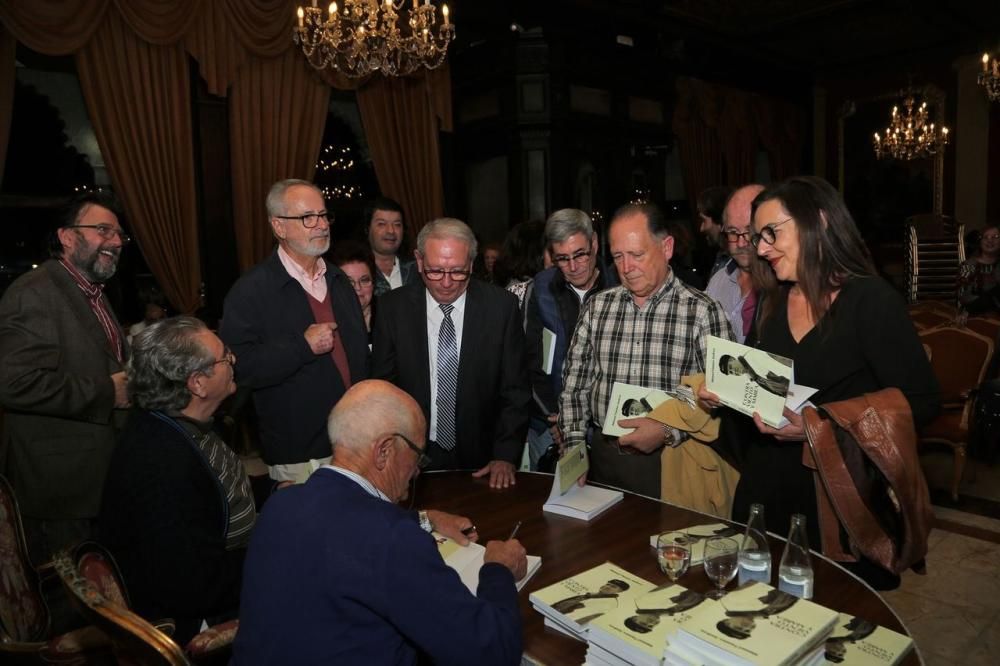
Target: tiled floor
953, 613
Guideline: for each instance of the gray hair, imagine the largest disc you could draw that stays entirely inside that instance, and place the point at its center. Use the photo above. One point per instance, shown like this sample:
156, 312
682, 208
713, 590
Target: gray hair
164, 355
368, 410
448, 228
276, 195
564, 223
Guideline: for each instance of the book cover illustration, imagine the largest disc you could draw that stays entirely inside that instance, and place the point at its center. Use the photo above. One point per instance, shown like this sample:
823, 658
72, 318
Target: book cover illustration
584, 597
748, 380
858, 641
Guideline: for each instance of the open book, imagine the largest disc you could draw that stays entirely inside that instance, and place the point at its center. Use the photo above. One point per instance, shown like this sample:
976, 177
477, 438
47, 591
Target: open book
567, 498
752, 380
468, 560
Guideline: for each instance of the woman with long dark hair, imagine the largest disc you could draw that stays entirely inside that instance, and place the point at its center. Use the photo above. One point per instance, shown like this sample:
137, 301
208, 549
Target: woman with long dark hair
846, 330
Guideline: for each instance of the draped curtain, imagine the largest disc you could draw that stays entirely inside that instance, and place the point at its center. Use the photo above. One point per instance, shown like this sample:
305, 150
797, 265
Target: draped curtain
8, 46
277, 113
720, 129
402, 118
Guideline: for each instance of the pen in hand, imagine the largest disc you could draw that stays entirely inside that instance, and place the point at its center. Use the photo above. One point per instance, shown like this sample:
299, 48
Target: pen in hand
513, 532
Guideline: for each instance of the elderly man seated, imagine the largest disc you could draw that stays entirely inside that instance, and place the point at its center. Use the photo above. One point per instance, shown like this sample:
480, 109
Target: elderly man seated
337, 573
177, 508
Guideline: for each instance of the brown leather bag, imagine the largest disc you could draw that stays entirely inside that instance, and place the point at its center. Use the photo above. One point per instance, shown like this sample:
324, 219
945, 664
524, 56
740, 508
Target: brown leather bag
870, 490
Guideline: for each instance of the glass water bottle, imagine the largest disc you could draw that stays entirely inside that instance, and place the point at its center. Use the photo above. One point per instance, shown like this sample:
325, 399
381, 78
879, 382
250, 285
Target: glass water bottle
795, 574
755, 554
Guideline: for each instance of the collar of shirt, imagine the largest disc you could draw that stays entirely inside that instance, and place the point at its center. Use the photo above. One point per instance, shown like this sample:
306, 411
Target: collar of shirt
315, 285
395, 277
655, 297
367, 485
91, 290
732, 267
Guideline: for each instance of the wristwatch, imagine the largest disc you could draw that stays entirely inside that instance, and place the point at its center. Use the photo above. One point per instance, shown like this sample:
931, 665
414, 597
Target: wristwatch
672, 437
425, 522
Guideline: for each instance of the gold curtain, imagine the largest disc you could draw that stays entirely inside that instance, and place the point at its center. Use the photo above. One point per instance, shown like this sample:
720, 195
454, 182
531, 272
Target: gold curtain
8, 48
53, 27
402, 118
738, 138
139, 100
277, 111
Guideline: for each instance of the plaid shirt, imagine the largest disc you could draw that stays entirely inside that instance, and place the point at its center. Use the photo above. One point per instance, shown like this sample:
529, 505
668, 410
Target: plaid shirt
651, 346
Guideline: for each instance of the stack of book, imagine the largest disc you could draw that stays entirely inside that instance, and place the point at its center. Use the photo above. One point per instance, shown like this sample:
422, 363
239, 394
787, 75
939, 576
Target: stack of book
753, 625
859, 642
570, 605
640, 635
567, 498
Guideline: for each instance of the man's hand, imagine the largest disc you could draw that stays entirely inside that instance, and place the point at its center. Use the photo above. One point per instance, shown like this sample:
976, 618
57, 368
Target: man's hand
452, 526
707, 398
501, 474
793, 432
511, 554
647, 436
320, 337
121, 393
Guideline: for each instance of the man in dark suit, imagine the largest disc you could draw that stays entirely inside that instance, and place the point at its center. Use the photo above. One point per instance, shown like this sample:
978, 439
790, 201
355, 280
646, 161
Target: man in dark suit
385, 236
456, 345
296, 328
338, 573
62, 354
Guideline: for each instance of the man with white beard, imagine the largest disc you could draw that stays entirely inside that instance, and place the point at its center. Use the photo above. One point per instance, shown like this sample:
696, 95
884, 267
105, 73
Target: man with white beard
298, 333
62, 379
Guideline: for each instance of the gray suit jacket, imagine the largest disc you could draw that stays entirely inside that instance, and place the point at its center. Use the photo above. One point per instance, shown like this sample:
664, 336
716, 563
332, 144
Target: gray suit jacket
57, 395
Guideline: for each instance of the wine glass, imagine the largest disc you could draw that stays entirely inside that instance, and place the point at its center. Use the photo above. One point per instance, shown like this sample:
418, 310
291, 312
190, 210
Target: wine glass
673, 554
721, 560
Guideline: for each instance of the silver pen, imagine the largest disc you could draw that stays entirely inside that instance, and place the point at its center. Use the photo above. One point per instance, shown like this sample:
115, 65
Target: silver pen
513, 532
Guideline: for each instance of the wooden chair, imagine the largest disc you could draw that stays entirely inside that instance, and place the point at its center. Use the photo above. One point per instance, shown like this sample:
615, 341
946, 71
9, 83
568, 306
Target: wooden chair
25, 623
96, 566
135, 640
924, 320
934, 251
959, 358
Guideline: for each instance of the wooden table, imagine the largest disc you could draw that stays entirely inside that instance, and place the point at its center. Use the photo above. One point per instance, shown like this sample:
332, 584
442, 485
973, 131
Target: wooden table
620, 535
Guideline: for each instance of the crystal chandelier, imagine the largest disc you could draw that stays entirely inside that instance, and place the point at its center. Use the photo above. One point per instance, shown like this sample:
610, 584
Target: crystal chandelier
369, 36
909, 135
989, 78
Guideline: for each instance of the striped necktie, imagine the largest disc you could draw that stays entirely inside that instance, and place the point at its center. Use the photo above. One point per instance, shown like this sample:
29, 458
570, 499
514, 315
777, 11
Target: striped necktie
447, 380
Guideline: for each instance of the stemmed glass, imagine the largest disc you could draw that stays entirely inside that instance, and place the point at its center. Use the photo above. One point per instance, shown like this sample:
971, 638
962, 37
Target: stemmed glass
673, 554
721, 560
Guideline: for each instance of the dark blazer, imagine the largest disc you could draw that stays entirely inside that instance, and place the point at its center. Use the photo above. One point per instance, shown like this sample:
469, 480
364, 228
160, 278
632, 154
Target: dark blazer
164, 516
493, 388
264, 321
57, 394
407, 272
335, 575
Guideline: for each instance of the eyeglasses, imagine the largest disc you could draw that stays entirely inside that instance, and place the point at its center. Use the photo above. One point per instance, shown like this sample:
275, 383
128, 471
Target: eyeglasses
310, 220
361, 282
423, 460
105, 231
767, 234
227, 357
435, 274
578, 257
991, 236
734, 236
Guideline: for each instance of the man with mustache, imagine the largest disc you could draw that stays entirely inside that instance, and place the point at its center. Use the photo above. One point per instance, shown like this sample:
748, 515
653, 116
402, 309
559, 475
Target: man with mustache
62, 383
298, 333
385, 236
731, 286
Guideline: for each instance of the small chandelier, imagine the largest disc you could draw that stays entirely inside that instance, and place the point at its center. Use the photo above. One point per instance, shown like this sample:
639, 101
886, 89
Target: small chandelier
909, 135
373, 36
989, 78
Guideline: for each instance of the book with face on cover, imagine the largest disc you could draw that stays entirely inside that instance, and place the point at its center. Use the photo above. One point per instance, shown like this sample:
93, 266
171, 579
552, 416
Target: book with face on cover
858, 641
576, 601
757, 624
569, 499
752, 380
468, 560
639, 635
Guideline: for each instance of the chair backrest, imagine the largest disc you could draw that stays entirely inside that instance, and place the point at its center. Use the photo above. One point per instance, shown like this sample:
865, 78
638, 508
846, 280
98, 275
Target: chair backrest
934, 251
23, 614
925, 319
988, 326
958, 358
135, 640
96, 564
